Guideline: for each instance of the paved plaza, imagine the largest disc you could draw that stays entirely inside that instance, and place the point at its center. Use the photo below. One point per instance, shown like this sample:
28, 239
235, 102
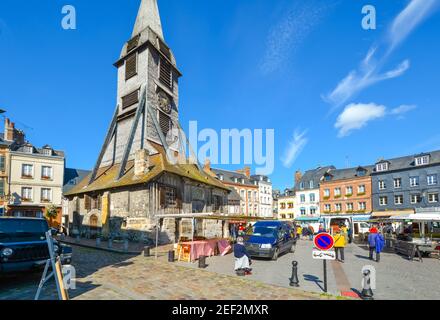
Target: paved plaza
397, 278
105, 275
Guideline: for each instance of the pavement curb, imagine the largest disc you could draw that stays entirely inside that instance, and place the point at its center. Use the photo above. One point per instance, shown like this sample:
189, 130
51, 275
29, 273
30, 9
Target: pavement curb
100, 248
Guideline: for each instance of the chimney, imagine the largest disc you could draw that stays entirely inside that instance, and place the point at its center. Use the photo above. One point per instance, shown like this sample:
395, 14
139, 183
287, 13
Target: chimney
207, 165
141, 162
247, 171
9, 130
298, 177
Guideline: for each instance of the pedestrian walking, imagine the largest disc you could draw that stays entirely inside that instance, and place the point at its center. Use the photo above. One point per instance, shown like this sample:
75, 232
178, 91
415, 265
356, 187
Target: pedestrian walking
372, 242
242, 258
299, 230
311, 232
339, 245
380, 243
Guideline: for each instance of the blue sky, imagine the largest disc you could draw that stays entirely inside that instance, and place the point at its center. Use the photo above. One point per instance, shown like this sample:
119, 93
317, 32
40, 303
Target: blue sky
334, 92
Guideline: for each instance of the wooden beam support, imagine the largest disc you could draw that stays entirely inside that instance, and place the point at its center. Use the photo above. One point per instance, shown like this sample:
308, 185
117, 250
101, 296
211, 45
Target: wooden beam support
110, 133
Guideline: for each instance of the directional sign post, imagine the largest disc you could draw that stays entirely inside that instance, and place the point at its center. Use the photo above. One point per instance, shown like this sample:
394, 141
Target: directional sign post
324, 242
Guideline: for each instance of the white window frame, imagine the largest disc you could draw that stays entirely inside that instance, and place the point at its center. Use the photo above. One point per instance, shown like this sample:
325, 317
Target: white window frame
420, 161
326, 192
338, 207
337, 191
27, 165
361, 188
362, 205
31, 193
49, 198
396, 197
399, 184
328, 207
433, 197
418, 196
349, 190
432, 179
383, 203
350, 206
382, 185
50, 175
382, 167
411, 184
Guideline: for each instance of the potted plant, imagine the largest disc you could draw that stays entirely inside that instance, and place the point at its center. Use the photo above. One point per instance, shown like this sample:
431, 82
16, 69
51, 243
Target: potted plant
51, 213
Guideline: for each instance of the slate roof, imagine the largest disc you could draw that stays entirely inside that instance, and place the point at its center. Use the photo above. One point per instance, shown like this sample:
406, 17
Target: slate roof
315, 175
228, 177
72, 177
233, 195
349, 173
407, 162
20, 148
106, 176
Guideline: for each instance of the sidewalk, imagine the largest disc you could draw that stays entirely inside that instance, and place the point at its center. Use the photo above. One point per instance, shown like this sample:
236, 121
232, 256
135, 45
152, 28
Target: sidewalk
134, 248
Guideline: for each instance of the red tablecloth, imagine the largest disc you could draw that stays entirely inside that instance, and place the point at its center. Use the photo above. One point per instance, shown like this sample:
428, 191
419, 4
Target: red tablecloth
207, 247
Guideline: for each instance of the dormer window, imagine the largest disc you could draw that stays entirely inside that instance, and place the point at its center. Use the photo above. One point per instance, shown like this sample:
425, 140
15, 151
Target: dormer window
383, 166
311, 184
301, 186
221, 177
47, 152
327, 177
28, 149
420, 161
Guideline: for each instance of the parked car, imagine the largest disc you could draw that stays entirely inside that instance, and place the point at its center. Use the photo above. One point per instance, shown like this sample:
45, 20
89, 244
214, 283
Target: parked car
269, 239
23, 244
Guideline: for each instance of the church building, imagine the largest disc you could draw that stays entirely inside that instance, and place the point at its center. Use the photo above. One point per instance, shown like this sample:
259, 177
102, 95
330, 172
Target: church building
142, 177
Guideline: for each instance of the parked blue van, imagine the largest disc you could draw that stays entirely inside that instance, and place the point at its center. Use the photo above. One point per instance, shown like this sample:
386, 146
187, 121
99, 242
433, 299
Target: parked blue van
269, 239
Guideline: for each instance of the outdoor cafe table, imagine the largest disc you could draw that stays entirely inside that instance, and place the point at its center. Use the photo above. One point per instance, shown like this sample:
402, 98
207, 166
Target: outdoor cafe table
206, 247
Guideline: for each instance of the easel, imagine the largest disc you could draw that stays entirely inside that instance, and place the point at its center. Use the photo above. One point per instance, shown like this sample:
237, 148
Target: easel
55, 263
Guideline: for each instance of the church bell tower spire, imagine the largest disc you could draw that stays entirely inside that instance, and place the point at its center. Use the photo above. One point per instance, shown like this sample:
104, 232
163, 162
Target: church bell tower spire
148, 16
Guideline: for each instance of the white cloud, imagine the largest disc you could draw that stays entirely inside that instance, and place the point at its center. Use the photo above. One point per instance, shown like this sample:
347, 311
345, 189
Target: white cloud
288, 34
357, 115
404, 108
369, 71
296, 146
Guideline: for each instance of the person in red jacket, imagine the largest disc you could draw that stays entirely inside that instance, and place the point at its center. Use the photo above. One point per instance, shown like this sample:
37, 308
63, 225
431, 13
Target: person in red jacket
373, 229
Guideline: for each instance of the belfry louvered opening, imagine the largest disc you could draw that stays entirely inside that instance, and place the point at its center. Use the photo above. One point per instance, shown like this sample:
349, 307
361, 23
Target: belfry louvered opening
130, 99
131, 66
165, 73
164, 122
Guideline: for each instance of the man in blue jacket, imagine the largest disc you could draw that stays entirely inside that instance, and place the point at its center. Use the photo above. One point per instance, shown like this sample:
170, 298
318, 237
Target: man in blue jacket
376, 243
242, 258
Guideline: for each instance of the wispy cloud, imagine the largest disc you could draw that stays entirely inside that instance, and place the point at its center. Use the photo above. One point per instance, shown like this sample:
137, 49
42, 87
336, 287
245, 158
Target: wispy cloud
357, 115
290, 32
295, 147
369, 71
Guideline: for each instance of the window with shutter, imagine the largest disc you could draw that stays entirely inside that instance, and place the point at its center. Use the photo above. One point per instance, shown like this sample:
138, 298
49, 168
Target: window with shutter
165, 73
131, 66
2, 163
164, 122
130, 99
2, 187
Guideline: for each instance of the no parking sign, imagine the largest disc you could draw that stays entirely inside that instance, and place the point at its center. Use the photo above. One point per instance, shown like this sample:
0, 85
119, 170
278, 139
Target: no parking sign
324, 241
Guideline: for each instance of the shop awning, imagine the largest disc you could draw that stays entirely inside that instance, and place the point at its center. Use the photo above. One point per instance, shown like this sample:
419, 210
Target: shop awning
307, 219
364, 217
417, 217
388, 214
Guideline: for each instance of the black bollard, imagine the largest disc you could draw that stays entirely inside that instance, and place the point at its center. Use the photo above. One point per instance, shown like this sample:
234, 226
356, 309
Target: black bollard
171, 256
202, 262
294, 282
146, 251
367, 293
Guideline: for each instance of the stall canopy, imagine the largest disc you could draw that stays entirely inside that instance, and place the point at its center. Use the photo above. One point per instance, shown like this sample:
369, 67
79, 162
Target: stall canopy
359, 218
388, 214
417, 217
307, 219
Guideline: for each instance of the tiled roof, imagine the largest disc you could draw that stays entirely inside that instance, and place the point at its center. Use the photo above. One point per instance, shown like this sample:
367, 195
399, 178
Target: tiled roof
72, 177
349, 173
314, 175
106, 176
229, 177
407, 162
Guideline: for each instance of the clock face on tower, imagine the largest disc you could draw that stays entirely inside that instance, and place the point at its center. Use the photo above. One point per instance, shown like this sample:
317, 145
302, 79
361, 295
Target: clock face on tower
164, 102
